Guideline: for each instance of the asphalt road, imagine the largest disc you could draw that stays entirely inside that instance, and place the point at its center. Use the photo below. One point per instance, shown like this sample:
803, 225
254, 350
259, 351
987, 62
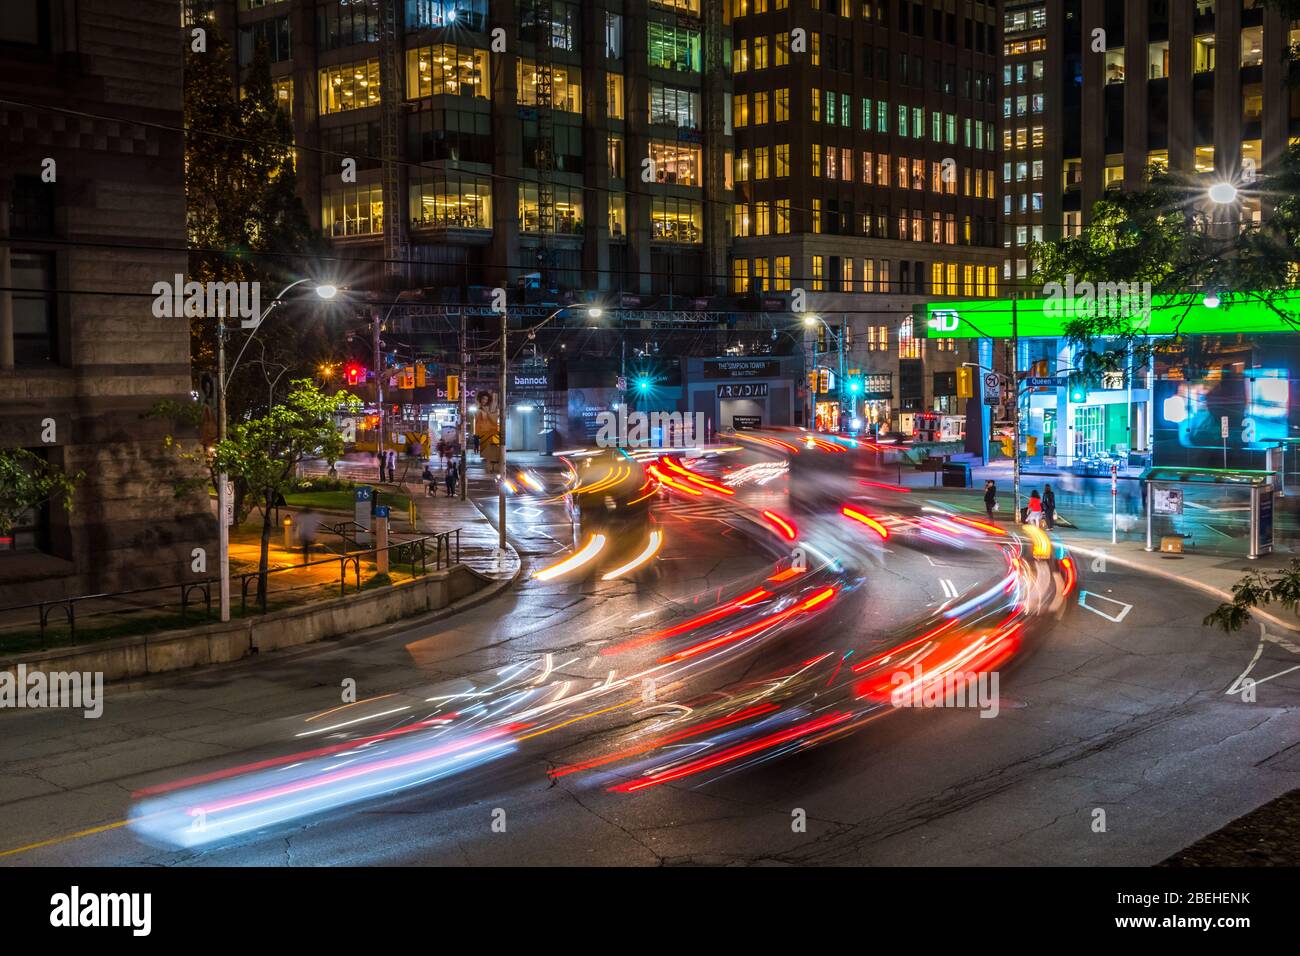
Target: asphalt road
1118, 706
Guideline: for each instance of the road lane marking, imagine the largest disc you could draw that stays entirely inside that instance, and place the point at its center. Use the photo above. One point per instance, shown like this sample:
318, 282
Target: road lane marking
64, 839
1114, 618
1237, 686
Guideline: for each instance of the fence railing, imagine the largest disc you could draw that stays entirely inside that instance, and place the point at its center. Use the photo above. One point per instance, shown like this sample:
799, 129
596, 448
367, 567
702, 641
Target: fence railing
428, 552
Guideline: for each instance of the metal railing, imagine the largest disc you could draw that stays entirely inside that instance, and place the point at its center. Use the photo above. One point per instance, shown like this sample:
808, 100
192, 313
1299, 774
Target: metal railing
430, 552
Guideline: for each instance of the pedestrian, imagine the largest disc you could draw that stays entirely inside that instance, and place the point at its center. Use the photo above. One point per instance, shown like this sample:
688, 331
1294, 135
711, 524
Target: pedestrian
475, 443
392, 466
383, 461
453, 475
1035, 509
428, 479
990, 498
1049, 507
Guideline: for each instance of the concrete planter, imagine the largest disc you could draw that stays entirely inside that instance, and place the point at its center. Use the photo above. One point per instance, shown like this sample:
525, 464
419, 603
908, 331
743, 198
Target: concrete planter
127, 657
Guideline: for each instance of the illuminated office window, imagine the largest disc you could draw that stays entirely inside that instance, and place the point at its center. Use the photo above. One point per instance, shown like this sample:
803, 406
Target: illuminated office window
566, 85
450, 201
676, 220
352, 211
567, 209
349, 86
446, 69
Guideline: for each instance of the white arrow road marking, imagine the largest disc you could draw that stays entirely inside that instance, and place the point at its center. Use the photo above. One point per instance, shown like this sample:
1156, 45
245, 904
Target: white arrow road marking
949, 589
1237, 685
1116, 618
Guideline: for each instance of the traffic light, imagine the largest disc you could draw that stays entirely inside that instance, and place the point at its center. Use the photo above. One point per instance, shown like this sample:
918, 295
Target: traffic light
965, 382
643, 384
406, 377
421, 375
355, 373
453, 388
1078, 390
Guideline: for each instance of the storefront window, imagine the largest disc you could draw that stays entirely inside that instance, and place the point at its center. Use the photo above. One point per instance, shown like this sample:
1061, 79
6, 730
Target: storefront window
446, 69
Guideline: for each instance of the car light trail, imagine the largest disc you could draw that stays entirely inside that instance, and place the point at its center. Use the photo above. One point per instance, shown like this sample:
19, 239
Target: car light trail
756, 710
867, 520
981, 525
784, 525
651, 549
723, 610
1071, 574
730, 637
576, 560
733, 753
679, 469
884, 485
1042, 543
673, 483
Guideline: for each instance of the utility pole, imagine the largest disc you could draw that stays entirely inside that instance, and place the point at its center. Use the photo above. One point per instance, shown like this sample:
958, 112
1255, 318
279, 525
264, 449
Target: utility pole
223, 482
843, 384
501, 418
464, 428
1015, 418
379, 385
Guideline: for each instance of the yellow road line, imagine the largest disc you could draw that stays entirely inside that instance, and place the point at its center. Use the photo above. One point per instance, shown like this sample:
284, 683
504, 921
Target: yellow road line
64, 839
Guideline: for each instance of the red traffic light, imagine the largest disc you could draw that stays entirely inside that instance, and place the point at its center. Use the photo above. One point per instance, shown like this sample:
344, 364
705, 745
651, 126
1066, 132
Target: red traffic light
355, 373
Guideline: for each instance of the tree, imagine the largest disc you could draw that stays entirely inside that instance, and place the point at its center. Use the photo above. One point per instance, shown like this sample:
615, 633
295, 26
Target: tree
1257, 589
264, 452
244, 219
1167, 235
28, 481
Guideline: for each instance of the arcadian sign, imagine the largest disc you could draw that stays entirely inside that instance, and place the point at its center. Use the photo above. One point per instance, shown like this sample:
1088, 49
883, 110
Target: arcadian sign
1157, 315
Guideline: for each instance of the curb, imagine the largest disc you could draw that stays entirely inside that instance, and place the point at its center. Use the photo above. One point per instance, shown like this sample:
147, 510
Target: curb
1202, 586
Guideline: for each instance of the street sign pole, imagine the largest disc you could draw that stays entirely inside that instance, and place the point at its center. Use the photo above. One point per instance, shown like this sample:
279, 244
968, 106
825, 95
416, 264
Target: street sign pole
1114, 496
1223, 432
223, 482
501, 413
1015, 395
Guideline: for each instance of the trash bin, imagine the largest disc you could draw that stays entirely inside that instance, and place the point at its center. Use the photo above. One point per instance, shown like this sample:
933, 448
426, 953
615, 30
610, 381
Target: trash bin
956, 474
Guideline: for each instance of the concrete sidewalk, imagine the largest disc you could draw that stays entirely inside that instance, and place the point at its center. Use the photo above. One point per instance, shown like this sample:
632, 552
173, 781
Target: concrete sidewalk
436, 513
479, 538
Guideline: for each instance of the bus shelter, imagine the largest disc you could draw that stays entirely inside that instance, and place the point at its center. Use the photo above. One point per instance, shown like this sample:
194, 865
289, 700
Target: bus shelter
1224, 509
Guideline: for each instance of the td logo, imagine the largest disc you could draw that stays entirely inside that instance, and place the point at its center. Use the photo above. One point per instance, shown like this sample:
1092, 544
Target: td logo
944, 321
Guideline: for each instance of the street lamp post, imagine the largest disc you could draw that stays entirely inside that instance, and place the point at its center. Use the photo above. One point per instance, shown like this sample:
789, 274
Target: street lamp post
810, 322
594, 313
224, 503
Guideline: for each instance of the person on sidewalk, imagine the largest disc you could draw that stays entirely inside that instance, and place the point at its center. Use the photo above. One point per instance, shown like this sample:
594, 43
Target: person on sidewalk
990, 498
453, 478
428, 479
1049, 507
1035, 509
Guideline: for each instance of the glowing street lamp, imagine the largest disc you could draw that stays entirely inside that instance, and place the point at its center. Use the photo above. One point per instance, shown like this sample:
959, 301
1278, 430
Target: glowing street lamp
1223, 194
